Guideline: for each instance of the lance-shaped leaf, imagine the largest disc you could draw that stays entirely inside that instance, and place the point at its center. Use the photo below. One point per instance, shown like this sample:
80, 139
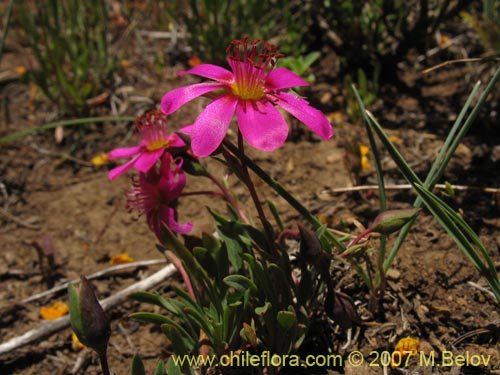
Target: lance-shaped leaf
137, 366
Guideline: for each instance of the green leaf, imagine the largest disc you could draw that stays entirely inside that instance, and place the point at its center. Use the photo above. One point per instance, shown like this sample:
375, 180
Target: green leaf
174, 369
160, 369
162, 320
179, 343
194, 312
276, 215
151, 318
137, 366
248, 334
240, 283
286, 319
74, 310
148, 297
262, 310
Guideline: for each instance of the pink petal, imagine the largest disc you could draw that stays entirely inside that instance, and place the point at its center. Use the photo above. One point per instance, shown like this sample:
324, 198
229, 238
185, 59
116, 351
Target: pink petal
311, 117
211, 125
174, 225
118, 171
282, 78
147, 159
124, 152
261, 124
176, 98
188, 129
210, 71
177, 186
175, 141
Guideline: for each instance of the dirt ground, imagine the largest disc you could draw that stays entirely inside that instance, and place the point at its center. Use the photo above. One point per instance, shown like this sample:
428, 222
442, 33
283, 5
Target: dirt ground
433, 292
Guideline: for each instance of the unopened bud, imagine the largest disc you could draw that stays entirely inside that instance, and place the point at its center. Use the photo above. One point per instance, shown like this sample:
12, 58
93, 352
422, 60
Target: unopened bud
88, 319
343, 311
391, 221
310, 247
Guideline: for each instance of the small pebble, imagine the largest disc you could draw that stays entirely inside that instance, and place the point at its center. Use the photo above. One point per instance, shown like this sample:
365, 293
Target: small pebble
393, 274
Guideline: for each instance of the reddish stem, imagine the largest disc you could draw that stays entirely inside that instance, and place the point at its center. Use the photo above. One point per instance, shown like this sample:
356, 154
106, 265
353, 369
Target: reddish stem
180, 267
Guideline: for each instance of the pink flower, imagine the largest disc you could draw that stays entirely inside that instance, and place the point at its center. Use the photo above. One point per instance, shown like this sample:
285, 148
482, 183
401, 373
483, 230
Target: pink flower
155, 194
253, 90
152, 128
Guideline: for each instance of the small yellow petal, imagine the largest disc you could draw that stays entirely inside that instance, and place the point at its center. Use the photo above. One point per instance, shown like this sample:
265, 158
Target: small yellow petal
336, 117
75, 343
395, 139
121, 258
100, 159
124, 64
323, 219
406, 346
194, 61
443, 40
21, 70
365, 163
364, 150
55, 311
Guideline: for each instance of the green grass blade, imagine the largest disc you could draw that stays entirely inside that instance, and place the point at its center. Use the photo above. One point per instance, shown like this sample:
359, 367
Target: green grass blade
376, 154
52, 125
459, 230
450, 144
456, 135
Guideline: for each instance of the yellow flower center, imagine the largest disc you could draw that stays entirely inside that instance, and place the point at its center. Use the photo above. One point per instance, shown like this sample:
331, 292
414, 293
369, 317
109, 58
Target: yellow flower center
248, 92
157, 144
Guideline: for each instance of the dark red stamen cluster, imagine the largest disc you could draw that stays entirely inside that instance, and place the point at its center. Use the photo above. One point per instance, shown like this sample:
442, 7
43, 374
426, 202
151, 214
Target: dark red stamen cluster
260, 53
150, 119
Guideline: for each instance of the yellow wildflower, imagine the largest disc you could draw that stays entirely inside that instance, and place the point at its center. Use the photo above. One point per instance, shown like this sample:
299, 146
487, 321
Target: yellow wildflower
55, 311
194, 61
75, 342
21, 70
405, 347
100, 159
365, 163
121, 258
395, 139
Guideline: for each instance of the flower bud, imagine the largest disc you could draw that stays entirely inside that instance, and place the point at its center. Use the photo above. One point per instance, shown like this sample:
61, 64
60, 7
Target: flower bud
310, 246
88, 319
343, 311
391, 221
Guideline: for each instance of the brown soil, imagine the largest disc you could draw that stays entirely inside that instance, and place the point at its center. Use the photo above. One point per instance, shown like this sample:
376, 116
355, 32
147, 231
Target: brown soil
433, 292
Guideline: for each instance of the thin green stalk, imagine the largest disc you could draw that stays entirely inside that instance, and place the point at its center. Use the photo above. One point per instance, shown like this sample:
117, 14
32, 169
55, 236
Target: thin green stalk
284, 194
52, 125
380, 182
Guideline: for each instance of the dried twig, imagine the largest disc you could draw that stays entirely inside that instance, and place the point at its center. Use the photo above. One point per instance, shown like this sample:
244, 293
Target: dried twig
95, 275
18, 221
482, 289
449, 62
52, 326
